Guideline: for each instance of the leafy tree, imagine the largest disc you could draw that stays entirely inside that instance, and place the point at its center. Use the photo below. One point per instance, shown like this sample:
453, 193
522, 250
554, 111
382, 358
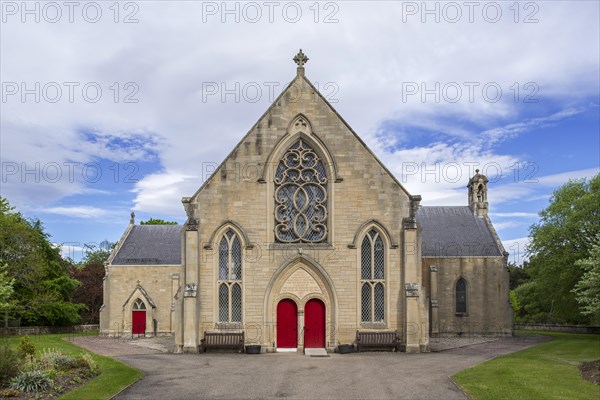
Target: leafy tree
97, 254
155, 221
529, 308
6, 286
514, 301
518, 275
587, 290
42, 286
6, 291
90, 273
564, 235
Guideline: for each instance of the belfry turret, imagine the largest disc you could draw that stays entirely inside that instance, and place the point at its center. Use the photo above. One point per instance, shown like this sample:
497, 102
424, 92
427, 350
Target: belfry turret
478, 200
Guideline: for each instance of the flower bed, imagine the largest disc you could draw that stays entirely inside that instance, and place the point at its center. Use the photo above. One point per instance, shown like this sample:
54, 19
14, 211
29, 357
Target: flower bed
49, 375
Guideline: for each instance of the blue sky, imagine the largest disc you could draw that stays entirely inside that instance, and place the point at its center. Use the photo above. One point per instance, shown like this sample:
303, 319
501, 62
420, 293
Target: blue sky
182, 82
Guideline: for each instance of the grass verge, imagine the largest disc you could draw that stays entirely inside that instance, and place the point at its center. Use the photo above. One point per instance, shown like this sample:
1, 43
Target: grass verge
114, 375
545, 371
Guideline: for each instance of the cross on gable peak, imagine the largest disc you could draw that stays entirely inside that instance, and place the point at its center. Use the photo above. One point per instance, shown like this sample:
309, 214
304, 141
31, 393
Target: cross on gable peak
300, 59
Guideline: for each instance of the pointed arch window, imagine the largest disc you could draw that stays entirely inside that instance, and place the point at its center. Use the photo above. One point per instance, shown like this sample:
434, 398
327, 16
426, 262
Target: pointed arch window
372, 274
139, 305
460, 292
230, 278
300, 196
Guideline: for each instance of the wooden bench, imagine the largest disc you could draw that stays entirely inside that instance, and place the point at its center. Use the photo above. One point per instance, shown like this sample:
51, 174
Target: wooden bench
378, 339
222, 340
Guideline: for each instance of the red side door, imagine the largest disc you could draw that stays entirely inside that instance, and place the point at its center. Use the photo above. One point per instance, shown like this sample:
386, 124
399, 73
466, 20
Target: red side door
287, 324
314, 324
138, 322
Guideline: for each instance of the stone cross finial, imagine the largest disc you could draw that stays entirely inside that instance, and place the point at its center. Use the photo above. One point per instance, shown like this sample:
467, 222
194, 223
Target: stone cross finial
300, 59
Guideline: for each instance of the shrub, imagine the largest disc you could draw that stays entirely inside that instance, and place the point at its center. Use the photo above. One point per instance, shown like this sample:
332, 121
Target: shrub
26, 348
51, 372
32, 381
57, 360
9, 362
29, 365
85, 360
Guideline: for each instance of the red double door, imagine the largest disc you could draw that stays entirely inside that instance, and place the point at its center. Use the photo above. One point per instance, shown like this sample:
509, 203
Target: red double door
314, 324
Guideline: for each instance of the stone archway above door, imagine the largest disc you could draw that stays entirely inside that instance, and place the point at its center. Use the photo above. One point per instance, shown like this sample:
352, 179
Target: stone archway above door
301, 280
301, 284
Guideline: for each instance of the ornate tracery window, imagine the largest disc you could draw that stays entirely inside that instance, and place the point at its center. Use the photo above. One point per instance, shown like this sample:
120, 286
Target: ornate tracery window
230, 278
300, 196
460, 292
372, 278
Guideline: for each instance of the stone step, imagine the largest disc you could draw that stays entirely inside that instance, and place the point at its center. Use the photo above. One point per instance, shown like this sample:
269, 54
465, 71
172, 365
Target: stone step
316, 352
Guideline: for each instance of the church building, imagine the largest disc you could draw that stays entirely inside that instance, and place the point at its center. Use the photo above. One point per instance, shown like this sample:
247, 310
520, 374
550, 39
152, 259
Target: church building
301, 238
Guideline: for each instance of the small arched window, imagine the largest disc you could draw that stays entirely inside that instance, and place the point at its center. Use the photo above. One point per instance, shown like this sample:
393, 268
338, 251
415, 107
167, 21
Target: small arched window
372, 274
139, 305
230, 277
461, 296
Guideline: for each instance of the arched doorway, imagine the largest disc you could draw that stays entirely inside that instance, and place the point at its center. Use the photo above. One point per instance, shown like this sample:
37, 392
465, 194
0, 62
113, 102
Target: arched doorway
138, 318
314, 324
300, 280
287, 324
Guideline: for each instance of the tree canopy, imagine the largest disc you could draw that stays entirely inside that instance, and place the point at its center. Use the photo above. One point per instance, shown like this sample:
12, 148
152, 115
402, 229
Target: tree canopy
518, 274
90, 273
6, 286
564, 237
587, 290
156, 221
39, 275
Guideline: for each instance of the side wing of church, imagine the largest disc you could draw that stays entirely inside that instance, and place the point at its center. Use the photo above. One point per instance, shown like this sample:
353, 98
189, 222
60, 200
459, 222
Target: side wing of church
300, 239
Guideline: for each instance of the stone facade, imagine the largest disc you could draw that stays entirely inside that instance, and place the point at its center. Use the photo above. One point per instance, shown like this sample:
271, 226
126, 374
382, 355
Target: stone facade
247, 246
488, 310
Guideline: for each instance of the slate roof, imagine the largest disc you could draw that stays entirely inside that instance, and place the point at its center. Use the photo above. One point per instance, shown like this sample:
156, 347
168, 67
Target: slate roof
447, 232
151, 245
455, 232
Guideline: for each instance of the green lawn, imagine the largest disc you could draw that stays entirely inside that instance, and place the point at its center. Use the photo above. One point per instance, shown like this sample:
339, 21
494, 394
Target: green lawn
546, 371
114, 375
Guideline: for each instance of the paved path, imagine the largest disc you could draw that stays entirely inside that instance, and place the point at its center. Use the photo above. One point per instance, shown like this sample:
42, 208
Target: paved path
295, 376
118, 347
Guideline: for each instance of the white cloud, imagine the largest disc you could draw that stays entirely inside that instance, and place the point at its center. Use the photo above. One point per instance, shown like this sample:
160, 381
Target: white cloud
539, 188
514, 214
517, 249
169, 55
496, 135
499, 226
564, 177
162, 192
79, 212
73, 250
440, 172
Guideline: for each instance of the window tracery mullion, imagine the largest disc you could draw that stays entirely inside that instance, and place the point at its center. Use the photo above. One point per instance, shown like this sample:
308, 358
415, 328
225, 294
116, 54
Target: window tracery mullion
229, 261
372, 258
229, 310
372, 302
